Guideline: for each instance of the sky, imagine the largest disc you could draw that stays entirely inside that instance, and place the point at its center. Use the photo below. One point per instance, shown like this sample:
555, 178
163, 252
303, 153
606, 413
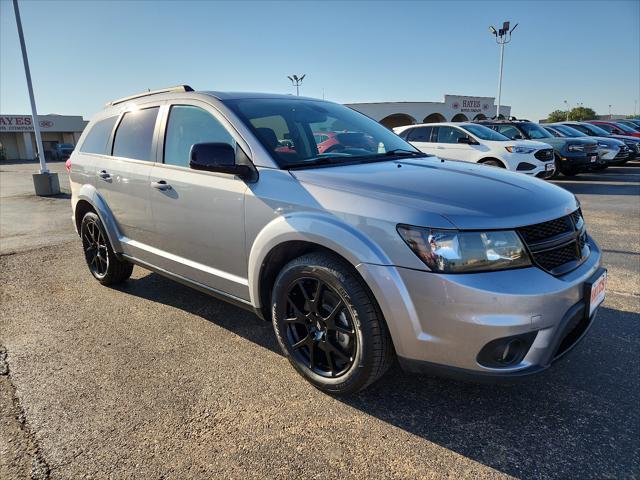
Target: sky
83, 54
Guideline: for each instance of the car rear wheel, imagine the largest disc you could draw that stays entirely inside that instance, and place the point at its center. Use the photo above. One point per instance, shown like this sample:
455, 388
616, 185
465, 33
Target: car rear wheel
328, 324
101, 260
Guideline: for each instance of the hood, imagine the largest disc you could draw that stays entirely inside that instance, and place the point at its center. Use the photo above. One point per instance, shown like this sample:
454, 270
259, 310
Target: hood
532, 143
613, 142
626, 138
468, 195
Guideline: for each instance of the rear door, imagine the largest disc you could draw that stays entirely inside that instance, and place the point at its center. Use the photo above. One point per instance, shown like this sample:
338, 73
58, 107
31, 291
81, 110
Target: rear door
122, 179
198, 216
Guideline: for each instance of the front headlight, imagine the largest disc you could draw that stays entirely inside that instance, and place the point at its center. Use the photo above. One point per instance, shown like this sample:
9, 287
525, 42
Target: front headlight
575, 148
519, 149
603, 145
453, 251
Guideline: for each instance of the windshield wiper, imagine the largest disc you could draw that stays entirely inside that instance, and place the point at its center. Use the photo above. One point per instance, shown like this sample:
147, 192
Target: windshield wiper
317, 161
404, 151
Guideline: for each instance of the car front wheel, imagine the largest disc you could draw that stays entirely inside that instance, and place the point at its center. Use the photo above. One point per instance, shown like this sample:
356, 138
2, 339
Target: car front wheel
328, 324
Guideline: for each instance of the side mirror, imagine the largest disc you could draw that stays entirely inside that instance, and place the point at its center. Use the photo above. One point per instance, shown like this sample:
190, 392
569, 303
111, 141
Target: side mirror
467, 141
217, 157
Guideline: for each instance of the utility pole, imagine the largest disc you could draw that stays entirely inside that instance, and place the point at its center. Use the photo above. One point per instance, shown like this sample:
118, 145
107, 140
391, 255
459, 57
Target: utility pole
296, 82
45, 183
609, 108
503, 36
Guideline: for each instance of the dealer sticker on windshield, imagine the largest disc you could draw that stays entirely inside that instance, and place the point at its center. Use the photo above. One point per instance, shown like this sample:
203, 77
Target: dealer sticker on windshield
597, 293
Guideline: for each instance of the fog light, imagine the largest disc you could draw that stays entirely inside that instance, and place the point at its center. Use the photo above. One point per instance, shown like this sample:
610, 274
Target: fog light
507, 351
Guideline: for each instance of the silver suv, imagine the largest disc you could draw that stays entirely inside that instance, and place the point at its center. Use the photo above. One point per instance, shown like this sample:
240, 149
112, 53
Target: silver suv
358, 247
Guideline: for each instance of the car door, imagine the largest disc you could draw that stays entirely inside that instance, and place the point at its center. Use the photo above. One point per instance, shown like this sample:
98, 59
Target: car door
198, 215
447, 146
122, 178
420, 137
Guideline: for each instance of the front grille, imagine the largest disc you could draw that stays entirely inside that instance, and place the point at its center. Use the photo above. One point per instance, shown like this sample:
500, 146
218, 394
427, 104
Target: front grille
557, 246
541, 231
557, 257
545, 155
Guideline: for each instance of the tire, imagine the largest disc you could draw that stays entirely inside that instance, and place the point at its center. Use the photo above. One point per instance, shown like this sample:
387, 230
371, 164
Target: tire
494, 163
340, 344
98, 253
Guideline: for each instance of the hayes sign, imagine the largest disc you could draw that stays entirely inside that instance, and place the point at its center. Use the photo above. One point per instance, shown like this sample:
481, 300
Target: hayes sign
20, 123
475, 106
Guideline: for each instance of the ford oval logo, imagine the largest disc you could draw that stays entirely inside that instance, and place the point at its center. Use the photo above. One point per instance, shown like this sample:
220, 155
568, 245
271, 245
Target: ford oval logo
46, 123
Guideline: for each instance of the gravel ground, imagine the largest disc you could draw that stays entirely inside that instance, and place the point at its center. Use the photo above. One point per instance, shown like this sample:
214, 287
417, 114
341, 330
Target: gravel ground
154, 380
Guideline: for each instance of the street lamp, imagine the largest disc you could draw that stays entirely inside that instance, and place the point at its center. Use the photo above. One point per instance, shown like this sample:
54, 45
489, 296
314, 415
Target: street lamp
567, 105
297, 81
45, 183
609, 112
503, 36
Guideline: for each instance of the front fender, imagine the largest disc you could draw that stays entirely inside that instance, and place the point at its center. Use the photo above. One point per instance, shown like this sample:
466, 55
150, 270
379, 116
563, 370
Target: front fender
90, 194
324, 230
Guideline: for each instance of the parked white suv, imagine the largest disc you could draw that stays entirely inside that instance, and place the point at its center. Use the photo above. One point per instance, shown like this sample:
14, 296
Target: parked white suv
471, 142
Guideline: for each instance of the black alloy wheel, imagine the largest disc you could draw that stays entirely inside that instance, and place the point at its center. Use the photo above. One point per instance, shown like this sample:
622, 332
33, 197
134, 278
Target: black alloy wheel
320, 330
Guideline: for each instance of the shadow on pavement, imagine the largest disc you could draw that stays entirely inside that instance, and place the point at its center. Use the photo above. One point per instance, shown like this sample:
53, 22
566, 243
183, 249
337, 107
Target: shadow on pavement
576, 420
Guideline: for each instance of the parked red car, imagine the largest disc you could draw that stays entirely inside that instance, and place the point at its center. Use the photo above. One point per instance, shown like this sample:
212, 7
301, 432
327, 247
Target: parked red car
616, 128
336, 141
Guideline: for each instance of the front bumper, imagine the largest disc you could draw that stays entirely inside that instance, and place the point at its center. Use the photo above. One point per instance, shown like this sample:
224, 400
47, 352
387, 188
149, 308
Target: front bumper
442, 322
580, 161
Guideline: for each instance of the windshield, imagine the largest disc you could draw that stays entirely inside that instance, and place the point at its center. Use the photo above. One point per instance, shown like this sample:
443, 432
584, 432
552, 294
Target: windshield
485, 133
534, 131
592, 129
626, 128
568, 131
302, 133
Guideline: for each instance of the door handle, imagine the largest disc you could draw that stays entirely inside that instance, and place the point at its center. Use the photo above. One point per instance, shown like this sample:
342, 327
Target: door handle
104, 175
161, 185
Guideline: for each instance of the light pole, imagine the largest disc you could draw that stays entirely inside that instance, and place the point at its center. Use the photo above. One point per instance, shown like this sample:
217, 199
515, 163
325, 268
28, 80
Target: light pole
567, 105
297, 81
503, 36
609, 112
45, 183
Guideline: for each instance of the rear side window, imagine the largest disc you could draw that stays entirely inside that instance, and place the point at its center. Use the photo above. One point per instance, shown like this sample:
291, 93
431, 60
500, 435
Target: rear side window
187, 126
134, 136
97, 138
420, 134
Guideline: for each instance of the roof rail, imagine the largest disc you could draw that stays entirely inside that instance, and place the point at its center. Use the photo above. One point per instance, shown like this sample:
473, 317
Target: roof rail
179, 88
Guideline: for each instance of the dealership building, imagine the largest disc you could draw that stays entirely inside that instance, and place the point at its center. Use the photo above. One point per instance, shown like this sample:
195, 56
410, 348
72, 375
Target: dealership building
455, 108
17, 140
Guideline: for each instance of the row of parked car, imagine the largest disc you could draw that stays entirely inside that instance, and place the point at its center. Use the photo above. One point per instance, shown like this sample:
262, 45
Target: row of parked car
541, 150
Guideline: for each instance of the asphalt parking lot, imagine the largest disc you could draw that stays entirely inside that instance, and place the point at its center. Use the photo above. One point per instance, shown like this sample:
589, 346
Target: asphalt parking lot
154, 380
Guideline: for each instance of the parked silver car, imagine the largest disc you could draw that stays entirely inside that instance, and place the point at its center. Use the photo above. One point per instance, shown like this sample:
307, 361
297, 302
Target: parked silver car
370, 252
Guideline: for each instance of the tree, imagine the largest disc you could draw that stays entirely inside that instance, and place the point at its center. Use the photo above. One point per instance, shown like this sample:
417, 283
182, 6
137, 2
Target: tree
582, 113
557, 116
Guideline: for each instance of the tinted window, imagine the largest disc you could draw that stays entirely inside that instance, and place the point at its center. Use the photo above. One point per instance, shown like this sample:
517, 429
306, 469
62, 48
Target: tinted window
134, 136
607, 128
535, 131
187, 126
449, 135
420, 134
509, 131
97, 138
626, 128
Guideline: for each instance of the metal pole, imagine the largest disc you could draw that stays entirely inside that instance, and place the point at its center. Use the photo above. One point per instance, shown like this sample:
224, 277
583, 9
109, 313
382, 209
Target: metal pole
297, 89
499, 79
34, 112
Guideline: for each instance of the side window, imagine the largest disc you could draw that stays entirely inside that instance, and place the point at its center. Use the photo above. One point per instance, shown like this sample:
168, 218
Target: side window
97, 138
509, 131
420, 134
134, 136
187, 126
449, 135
